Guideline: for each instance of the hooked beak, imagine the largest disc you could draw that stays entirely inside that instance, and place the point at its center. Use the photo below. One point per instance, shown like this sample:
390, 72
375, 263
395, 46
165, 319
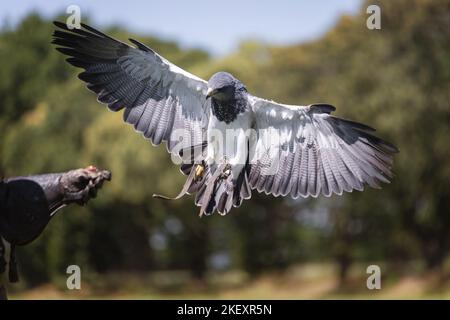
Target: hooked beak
210, 93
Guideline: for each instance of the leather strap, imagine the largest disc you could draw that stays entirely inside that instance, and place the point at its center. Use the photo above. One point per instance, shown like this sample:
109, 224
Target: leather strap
2, 245
183, 191
13, 273
210, 188
2, 257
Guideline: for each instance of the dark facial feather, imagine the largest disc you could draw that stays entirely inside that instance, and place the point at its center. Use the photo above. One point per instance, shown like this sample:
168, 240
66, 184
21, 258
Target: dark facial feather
229, 99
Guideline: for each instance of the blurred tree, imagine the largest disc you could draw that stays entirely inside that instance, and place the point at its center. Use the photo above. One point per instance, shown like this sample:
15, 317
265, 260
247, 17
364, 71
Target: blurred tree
395, 79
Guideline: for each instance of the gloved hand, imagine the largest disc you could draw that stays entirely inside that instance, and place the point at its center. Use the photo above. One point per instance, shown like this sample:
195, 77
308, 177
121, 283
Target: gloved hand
28, 203
80, 185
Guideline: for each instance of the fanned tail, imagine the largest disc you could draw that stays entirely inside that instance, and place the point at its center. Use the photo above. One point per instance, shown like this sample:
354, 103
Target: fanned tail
221, 191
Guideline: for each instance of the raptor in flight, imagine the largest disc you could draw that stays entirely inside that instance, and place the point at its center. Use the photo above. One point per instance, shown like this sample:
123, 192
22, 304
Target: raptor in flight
229, 142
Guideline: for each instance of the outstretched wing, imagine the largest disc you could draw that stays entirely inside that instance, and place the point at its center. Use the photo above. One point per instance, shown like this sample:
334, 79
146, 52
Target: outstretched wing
161, 101
305, 151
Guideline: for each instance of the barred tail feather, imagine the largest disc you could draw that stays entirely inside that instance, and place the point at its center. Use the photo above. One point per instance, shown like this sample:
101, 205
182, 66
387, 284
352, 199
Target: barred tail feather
218, 194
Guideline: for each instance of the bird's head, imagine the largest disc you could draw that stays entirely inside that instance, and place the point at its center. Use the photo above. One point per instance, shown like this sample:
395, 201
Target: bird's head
222, 86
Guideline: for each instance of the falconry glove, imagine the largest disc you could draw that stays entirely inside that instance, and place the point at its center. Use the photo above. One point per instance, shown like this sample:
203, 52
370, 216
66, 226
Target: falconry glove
28, 203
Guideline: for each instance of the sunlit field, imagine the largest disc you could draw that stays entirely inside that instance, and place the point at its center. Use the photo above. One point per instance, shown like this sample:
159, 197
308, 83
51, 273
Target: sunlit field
310, 281
129, 245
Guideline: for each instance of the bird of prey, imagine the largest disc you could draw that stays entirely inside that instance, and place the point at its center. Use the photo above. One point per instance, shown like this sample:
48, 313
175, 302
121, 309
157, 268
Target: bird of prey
229, 142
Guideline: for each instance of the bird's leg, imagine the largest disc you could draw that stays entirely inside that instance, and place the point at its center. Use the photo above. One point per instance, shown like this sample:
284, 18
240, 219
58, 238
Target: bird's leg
226, 172
199, 170
226, 169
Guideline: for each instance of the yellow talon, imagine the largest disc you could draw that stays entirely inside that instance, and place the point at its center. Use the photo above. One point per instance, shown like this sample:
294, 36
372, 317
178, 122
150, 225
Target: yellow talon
199, 169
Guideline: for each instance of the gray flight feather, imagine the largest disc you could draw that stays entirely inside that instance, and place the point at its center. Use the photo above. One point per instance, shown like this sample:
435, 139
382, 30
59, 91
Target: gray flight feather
315, 153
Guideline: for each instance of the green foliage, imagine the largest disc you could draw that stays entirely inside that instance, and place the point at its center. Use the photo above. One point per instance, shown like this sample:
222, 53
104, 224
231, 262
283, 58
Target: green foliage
395, 79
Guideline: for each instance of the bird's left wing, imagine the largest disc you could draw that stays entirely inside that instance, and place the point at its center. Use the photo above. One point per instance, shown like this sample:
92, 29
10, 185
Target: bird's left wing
305, 151
161, 101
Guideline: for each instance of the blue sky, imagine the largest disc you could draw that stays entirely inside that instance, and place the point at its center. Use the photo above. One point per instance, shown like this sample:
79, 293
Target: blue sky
216, 26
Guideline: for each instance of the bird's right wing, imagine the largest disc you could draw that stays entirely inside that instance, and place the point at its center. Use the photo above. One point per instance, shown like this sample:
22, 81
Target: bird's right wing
306, 151
161, 101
